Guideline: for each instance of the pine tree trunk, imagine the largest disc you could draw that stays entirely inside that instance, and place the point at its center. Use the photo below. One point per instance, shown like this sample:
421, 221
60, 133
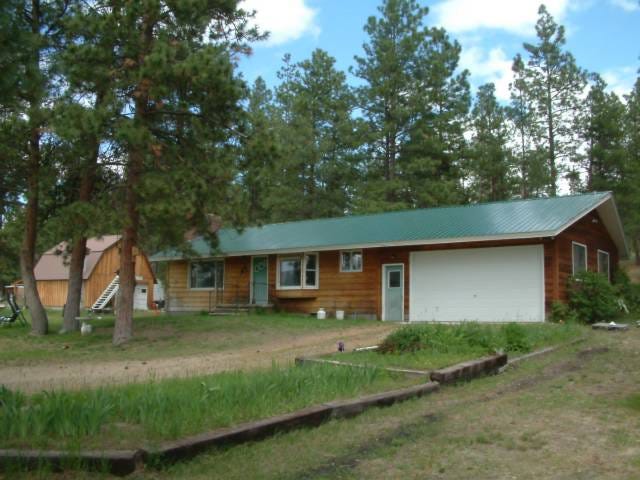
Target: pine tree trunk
78, 251
39, 320
74, 289
553, 169
123, 329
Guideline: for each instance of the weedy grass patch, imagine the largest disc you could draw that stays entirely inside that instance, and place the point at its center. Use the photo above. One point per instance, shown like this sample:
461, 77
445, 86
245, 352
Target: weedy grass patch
430, 346
134, 415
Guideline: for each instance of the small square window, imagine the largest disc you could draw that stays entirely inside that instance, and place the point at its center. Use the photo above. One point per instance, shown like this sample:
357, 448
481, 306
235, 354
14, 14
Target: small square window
351, 261
394, 279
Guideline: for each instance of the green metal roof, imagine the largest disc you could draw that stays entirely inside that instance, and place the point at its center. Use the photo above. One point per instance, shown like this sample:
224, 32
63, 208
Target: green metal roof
538, 217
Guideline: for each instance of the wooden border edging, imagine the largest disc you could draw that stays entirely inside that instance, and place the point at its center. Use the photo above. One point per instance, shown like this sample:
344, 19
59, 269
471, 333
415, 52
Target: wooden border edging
116, 462
470, 369
246, 432
126, 461
542, 351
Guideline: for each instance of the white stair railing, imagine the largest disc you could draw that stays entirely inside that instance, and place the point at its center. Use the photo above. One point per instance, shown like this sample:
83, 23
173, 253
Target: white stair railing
106, 296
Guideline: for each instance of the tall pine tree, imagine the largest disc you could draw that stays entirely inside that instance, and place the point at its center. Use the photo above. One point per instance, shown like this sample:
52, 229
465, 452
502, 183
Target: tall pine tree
554, 82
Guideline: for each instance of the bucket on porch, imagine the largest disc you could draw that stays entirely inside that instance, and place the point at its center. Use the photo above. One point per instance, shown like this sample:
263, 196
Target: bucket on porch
339, 314
321, 315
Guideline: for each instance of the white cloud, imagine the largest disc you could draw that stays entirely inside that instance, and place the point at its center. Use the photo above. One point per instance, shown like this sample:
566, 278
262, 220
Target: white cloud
627, 5
517, 17
492, 66
620, 80
285, 20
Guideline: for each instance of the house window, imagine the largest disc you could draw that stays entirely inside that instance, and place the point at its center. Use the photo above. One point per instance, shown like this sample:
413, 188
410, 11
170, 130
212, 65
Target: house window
603, 264
351, 261
206, 274
298, 271
579, 258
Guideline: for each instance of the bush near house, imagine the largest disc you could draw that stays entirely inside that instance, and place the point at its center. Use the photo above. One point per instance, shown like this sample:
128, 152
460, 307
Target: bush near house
592, 298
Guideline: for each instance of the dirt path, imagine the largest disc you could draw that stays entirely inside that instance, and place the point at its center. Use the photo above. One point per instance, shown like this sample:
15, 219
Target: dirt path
78, 375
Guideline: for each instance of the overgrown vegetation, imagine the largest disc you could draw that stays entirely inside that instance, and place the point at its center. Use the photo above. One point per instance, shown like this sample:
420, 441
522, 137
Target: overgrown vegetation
592, 298
134, 414
430, 346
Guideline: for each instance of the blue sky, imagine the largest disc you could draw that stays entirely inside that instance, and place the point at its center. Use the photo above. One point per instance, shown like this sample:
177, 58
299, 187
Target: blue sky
603, 35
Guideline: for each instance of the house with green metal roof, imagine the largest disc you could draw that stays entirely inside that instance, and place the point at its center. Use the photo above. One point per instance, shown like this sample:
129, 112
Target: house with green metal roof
493, 262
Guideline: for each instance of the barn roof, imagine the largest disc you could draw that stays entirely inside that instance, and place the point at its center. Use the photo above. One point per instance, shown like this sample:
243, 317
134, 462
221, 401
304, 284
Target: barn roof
54, 263
514, 219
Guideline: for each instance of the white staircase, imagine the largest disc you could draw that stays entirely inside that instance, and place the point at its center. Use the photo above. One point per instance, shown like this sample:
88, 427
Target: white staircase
106, 296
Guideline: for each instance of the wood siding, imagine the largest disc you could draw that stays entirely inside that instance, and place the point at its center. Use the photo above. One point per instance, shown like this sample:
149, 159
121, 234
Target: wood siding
360, 292
53, 293
588, 231
180, 297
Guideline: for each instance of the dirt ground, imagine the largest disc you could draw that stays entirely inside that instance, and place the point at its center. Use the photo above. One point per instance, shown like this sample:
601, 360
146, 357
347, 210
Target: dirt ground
31, 378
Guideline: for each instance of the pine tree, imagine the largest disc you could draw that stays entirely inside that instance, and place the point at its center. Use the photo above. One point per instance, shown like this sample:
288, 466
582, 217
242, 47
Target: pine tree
491, 163
431, 161
533, 169
389, 98
30, 38
629, 193
555, 83
602, 129
415, 104
82, 119
177, 99
317, 138
261, 152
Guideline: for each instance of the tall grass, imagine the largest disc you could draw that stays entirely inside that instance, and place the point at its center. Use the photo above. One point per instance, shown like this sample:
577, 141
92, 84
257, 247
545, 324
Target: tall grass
474, 337
135, 414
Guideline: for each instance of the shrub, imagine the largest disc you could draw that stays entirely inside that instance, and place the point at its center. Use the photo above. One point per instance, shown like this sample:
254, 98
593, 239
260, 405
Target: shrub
515, 337
405, 339
592, 297
628, 291
561, 313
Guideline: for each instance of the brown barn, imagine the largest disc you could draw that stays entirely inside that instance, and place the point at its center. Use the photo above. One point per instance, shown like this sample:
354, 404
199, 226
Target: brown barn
101, 265
502, 261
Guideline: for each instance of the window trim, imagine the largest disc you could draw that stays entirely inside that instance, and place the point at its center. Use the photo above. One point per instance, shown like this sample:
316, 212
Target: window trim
303, 270
573, 257
208, 260
351, 251
608, 262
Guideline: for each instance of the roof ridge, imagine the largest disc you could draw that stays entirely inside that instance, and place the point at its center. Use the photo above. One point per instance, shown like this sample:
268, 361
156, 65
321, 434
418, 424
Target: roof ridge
440, 207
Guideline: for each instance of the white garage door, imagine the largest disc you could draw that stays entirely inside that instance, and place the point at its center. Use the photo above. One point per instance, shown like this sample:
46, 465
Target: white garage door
502, 284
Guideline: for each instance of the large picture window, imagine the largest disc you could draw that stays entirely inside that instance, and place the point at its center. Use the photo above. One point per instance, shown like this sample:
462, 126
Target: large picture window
298, 271
207, 274
579, 254
351, 261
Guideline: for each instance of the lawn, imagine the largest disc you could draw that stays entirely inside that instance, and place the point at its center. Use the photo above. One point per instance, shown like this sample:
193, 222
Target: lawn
160, 336
431, 346
144, 414
574, 413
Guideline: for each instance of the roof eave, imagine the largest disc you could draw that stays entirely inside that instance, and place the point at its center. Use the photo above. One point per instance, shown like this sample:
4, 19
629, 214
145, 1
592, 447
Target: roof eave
403, 243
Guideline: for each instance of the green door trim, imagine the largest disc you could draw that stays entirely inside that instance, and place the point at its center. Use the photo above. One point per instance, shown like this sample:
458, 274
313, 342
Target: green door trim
384, 288
252, 300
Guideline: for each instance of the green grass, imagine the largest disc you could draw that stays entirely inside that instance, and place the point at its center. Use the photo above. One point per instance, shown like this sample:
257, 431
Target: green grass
158, 336
134, 415
432, 346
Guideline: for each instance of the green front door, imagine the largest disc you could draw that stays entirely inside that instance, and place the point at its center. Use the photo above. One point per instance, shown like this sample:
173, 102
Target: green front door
259, 281
393, 292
